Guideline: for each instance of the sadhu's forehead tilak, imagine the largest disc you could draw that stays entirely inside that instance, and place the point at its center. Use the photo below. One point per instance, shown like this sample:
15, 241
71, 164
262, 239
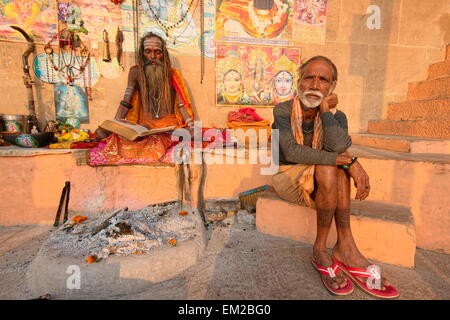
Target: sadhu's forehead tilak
153, 42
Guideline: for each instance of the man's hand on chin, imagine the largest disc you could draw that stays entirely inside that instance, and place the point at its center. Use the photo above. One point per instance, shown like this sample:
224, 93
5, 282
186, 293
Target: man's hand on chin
329, 102
361, 180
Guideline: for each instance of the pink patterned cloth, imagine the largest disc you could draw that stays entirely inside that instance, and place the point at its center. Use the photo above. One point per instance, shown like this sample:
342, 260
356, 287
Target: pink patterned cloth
244, 115
115, 150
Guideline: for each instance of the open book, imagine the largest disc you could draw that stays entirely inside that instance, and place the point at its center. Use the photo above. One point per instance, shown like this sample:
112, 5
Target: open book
131, 130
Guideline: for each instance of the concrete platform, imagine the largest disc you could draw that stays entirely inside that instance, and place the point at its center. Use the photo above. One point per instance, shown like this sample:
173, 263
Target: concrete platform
239, 263
25, 199
402, 143
50, 271
416, 181
375, 226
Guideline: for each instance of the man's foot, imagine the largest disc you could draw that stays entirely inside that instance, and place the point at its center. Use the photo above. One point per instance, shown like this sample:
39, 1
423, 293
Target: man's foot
351, 257
321, 257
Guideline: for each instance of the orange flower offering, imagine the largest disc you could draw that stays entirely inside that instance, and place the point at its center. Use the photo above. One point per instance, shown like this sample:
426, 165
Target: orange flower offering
91, 259
79, 219
138, 252
173, 242
183, 213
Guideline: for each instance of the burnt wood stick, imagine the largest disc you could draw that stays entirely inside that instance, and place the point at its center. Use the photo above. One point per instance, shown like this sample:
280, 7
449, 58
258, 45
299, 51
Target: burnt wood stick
58, 212
66, 208
107, 222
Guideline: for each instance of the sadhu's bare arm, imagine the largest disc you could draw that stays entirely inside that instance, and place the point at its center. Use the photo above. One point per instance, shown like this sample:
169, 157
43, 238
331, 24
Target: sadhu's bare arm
125, 104
186, 117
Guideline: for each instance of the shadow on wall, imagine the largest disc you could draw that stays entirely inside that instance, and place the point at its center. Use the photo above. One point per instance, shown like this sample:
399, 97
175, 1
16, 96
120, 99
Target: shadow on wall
374, 72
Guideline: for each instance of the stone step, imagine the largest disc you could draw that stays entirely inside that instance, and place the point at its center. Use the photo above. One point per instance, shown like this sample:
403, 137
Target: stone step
382, 232
416, 181
429, 89
401, 143
419, 109
439, 129
439, 70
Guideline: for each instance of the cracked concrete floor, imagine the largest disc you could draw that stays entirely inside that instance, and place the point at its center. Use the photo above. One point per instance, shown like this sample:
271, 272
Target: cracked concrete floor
240, 263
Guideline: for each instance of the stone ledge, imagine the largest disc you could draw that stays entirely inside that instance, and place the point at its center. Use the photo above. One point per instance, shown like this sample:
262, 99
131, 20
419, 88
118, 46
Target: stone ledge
374, 153
402, 143
382, 232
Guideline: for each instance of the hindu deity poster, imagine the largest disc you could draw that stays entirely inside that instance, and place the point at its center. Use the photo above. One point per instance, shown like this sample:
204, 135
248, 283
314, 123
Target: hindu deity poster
95, 16
310, 17
255, 75
264, 22
37, 18
126, 13
210, 29
71, 102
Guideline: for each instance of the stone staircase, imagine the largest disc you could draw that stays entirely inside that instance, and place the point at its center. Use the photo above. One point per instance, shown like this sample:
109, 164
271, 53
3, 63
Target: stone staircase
416, 137
407, 157
422, 123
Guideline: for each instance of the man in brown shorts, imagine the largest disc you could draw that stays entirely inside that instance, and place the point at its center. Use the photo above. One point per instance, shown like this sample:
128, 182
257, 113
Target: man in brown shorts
315, 171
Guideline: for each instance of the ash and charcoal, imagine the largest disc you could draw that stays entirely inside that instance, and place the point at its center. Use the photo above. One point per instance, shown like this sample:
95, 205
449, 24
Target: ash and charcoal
124, 232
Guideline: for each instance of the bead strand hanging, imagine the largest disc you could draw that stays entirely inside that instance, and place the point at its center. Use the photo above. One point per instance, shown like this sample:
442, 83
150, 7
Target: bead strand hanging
175, 24
68, 67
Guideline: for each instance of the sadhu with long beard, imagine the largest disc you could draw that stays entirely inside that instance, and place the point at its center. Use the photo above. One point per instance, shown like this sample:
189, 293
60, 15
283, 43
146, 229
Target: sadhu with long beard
155, 97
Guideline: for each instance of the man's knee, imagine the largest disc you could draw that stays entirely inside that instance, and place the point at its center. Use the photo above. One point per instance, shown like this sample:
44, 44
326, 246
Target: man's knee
326, 177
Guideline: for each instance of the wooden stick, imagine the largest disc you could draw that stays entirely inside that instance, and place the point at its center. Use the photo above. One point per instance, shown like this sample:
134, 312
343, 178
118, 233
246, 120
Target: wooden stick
61, 200
105, 224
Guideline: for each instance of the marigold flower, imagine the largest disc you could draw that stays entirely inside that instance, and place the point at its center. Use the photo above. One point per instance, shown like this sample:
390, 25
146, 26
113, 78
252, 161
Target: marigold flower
79, 219
91, 259
172, 242
183, 213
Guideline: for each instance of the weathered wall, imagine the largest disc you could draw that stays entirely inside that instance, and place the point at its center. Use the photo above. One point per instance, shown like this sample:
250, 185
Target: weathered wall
375, 66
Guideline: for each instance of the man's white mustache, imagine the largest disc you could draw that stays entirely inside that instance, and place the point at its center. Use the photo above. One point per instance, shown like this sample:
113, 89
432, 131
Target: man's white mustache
311, 103
313, 92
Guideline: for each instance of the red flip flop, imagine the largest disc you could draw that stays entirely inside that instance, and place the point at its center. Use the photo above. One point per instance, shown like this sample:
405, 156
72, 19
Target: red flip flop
389, 293
331, 272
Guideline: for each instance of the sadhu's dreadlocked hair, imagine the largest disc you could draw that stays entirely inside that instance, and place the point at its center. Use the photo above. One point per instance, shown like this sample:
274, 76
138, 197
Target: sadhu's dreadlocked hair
166, 93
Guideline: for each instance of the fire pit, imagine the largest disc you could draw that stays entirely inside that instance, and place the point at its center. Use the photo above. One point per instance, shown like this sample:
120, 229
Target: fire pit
118, 253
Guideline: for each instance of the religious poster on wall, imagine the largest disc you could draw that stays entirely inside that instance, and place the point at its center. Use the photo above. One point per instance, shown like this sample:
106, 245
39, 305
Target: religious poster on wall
310, 17
210, 29
174, 21
126, 12
71, 102
96, 23
255, 75
96, 16
264, 22
37, 18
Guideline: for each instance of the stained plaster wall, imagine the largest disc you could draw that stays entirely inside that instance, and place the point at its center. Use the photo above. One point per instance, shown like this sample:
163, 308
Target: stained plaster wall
374, 66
